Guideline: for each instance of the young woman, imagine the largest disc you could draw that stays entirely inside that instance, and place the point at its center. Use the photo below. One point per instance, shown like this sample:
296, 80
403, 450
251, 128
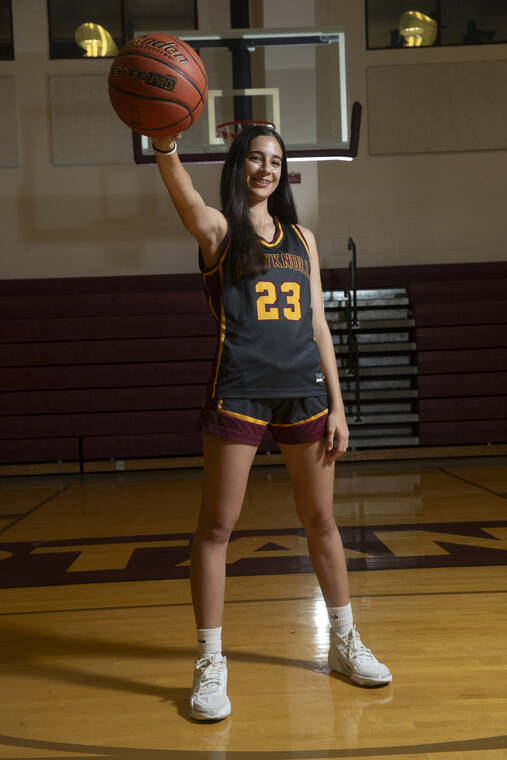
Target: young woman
275, 367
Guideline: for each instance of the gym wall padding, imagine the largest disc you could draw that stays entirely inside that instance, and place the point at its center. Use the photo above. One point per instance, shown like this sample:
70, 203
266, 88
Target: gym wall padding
85, 131
117, 367
437, 107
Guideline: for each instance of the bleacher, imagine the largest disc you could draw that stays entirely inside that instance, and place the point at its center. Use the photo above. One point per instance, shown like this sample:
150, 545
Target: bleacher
99, 370
461, 338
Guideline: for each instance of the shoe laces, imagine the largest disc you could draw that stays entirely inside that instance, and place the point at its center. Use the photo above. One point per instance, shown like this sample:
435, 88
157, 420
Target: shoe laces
355, 648
211, 673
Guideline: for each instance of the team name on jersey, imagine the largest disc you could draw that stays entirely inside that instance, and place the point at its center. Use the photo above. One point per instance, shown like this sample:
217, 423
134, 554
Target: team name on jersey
288, 261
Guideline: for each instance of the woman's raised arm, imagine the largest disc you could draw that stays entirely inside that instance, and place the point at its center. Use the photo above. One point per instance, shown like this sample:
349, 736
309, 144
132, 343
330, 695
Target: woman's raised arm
206, 224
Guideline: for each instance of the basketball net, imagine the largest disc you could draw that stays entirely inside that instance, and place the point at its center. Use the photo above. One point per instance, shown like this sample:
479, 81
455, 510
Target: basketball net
231, 129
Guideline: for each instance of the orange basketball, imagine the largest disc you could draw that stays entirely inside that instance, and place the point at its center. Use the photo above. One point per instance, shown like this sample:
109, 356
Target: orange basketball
158, 85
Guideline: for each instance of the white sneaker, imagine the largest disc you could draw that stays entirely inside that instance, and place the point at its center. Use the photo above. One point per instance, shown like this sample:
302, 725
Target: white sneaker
209, 700
348, 655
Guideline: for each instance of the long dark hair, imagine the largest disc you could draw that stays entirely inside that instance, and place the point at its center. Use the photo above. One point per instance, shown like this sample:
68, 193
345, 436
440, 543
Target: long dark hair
245, 249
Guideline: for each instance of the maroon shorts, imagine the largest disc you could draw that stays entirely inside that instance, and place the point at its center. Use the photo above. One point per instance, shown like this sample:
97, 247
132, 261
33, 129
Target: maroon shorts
290, 420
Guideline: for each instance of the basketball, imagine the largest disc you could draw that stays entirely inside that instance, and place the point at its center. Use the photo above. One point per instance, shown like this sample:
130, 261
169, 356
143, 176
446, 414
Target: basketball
158, 85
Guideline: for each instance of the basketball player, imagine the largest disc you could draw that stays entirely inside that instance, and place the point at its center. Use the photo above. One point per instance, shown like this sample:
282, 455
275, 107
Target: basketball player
274, 368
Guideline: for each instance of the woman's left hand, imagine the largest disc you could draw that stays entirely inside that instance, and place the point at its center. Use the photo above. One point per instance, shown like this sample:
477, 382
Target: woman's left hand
337, 435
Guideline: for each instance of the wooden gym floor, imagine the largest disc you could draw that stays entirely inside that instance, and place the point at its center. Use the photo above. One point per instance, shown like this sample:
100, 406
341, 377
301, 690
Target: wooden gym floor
97, 632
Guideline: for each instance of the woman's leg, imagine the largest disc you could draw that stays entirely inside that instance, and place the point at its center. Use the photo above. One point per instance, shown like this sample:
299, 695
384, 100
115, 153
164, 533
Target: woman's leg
226, 468
312, 477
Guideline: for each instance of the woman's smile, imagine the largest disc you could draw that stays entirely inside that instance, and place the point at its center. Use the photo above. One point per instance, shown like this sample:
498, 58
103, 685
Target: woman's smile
260, 181
263, 164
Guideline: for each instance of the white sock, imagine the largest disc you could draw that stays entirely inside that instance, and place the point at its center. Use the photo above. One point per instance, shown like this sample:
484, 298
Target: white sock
341, 619
209, 641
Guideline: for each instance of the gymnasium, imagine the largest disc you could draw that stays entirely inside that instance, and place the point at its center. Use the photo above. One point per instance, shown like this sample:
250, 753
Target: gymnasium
393, 113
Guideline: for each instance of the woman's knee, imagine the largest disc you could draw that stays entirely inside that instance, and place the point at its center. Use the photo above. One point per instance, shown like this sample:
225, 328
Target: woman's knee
217, 529
318, 522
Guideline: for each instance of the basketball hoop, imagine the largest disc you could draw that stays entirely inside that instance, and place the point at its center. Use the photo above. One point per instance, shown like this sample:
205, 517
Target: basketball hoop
231, 129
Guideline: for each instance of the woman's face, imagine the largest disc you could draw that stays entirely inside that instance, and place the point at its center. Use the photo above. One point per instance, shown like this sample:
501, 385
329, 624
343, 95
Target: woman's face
263, 166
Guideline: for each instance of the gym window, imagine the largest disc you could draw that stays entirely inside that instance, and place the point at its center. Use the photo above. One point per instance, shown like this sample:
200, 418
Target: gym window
98, 28
433, 23
6, 33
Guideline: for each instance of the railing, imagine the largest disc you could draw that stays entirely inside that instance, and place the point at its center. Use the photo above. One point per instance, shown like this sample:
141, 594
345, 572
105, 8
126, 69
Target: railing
372, 331
353, 282
352, 322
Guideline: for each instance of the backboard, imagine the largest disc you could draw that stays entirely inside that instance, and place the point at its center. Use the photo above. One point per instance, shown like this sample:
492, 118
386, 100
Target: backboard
295, 78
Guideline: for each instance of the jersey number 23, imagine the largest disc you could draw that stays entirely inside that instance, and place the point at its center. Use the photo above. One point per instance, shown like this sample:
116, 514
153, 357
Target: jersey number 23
267, 298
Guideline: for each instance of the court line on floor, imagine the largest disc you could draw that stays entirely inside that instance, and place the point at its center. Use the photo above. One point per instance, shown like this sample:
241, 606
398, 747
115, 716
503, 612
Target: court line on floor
165, 605
89, 751
12, 515
472, 483
22, 516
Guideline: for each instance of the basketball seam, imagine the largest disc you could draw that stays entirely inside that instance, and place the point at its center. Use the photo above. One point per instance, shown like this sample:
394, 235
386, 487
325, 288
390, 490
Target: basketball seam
198, 61
169, 66
189, 115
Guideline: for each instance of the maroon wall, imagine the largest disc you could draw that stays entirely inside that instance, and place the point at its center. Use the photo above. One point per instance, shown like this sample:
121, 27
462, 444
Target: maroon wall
97, 368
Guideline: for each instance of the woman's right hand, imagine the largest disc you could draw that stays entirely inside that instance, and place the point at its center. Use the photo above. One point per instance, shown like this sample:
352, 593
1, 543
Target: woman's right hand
165, 143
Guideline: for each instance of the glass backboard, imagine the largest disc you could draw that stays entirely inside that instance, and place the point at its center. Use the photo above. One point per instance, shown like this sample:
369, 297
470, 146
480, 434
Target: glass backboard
294, 78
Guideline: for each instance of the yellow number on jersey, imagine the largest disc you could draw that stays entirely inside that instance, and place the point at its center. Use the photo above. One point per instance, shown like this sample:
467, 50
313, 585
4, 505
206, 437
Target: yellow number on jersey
293, 300
265, 308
